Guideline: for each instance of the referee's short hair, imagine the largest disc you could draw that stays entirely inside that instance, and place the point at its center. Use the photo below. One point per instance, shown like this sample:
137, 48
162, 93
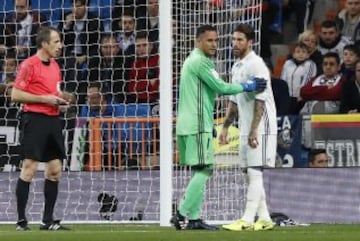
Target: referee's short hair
204, 28
245, 29
43, 35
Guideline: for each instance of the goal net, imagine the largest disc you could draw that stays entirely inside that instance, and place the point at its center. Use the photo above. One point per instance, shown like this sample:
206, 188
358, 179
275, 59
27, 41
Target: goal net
112, 135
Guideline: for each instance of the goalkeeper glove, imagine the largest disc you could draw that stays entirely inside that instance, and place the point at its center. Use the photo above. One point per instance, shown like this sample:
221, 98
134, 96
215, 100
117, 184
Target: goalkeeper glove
254, 84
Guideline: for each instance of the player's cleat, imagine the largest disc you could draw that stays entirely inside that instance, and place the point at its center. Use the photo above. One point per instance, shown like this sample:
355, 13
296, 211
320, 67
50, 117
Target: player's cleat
200, 225
263, 225
53, 226
239, 225
178, 221
22, 226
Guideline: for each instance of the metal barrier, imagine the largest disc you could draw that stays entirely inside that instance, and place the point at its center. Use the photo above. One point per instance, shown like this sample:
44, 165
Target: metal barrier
96, 141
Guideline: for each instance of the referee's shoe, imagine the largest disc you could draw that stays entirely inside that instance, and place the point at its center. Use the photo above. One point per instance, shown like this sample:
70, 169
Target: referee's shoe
53, 226
22, 225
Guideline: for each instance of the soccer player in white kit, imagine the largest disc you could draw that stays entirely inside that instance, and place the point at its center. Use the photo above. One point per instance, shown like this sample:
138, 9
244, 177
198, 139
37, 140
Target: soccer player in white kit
258, 129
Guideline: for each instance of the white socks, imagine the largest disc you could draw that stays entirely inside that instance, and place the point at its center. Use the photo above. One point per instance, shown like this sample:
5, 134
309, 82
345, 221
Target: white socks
256, 199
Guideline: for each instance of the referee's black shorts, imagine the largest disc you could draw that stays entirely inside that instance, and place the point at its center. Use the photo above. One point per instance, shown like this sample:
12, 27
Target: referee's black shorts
41, 137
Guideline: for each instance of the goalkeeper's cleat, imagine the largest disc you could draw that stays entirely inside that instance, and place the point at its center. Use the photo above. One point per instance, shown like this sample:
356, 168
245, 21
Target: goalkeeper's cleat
22, 225
53, 226
200, 225
178, 221
239, 225
263, 225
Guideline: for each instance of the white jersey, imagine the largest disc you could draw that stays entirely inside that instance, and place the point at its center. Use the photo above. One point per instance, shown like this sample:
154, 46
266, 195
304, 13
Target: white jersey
297, 75
253, 66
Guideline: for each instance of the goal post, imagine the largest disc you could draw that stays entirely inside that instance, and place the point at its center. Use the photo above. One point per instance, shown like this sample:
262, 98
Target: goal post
166, 113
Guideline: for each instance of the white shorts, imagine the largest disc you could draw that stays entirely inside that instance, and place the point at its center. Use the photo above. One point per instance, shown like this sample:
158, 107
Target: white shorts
263, 155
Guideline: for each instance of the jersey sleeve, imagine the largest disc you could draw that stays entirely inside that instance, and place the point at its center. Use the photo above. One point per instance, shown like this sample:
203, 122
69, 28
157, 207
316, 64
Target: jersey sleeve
207, 73
260, 70
24, 76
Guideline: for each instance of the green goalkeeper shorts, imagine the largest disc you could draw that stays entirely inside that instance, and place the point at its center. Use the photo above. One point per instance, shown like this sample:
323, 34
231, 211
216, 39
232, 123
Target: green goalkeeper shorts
196, 149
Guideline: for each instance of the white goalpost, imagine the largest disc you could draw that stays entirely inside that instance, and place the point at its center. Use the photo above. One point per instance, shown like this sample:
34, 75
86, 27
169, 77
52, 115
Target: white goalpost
123, 167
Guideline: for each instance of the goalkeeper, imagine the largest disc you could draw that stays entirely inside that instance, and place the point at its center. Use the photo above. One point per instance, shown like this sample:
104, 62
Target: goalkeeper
199, 83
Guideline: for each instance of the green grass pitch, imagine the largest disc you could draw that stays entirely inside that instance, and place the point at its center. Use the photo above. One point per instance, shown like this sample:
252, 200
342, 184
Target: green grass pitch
112, 232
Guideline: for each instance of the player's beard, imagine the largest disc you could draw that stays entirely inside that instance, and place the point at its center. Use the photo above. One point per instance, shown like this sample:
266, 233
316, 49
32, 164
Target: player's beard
239, 53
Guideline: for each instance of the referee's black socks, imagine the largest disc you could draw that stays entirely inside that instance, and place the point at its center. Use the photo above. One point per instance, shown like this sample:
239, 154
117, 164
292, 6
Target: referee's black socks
22, 195
50, 193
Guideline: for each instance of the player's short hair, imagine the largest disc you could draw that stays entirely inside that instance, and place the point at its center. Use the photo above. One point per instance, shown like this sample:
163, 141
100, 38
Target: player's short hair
245, 29
204, 28
43, 35
314, 152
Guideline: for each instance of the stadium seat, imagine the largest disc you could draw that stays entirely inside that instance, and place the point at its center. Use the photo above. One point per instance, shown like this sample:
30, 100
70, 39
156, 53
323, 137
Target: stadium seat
51, 9
7, 8
341, 4
103, 9
136, 129
331, 14
280, 61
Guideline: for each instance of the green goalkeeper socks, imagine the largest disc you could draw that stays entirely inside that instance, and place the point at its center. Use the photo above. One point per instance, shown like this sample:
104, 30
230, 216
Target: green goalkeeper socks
194, 194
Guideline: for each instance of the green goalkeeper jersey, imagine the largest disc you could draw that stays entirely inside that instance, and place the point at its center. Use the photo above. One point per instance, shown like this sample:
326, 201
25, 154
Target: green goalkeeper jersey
199, 84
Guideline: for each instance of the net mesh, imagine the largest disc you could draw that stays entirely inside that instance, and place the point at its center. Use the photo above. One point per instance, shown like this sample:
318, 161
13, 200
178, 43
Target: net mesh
112, 166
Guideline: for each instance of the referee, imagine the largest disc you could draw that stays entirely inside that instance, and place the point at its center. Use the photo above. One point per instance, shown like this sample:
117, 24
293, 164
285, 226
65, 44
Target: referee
37, 88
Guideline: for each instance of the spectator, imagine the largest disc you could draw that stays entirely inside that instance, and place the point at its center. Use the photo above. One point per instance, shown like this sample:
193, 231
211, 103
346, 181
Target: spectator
20, 30
281, 95
81, 32
303, 11
150, 22
350, 94
124, 27
318, 158
351, 55
109, 68
311, 40
331, 39
99, 105
322, 93
143, 85
349, 19
297, 71
8, 110
8, 68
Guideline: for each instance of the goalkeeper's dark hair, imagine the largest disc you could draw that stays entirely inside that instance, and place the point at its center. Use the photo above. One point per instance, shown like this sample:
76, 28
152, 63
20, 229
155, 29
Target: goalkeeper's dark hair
204, 28
245, 29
